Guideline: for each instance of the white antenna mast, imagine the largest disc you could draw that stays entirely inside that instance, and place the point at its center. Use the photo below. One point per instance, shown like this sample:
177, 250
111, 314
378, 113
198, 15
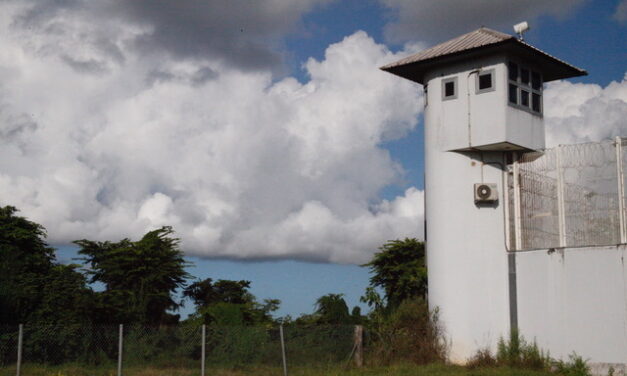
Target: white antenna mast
520, 28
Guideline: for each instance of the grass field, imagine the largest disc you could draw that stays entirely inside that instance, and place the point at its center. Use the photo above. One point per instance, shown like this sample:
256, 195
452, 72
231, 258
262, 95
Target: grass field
395, 370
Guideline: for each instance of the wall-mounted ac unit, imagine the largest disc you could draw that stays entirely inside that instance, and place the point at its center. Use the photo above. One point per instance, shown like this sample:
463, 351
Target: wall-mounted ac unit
486, 193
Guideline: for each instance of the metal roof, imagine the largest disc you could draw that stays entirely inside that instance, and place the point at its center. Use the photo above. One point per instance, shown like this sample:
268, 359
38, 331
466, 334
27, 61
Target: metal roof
479, 42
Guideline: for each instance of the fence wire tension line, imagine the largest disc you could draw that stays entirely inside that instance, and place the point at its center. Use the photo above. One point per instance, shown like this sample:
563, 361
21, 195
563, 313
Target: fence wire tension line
568, 196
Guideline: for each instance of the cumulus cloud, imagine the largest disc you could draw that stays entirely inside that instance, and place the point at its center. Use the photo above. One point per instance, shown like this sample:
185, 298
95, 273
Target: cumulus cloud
578, 112
116, 142
242, 33
436, 21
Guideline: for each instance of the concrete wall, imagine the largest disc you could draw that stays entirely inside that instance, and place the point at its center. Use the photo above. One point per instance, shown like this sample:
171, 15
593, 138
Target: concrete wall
575, 300
466, 257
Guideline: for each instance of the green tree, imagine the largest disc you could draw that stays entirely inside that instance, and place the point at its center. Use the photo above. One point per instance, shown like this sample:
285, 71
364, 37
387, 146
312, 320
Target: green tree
400, 270
140, 277
332, 309
227, 302
25, 262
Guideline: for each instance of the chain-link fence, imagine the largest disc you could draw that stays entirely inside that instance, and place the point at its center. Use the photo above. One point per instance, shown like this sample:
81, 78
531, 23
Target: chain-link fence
569, 196
189, 349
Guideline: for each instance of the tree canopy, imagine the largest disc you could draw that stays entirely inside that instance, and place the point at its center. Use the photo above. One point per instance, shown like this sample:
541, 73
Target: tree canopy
140, 277
399, 269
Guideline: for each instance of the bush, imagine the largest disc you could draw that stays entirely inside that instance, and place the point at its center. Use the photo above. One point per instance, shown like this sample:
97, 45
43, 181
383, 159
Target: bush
577, 366
409, 333
482, 358
518, 353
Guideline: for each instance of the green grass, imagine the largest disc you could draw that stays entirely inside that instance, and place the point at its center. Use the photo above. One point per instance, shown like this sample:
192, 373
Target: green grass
394, 370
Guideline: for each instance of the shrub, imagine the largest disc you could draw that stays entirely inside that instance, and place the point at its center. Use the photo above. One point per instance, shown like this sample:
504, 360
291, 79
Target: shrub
576, 366
409, 333
482, 358
516, 352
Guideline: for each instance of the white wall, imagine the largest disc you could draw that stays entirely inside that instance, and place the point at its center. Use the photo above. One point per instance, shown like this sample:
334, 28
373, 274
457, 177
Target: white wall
467, 262
575, 300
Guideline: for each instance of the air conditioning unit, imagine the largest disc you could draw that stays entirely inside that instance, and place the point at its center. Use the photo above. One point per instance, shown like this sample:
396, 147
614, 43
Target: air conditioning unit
486, 193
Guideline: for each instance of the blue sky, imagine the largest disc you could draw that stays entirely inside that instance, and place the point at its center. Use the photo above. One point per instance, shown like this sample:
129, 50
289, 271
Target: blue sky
264, 133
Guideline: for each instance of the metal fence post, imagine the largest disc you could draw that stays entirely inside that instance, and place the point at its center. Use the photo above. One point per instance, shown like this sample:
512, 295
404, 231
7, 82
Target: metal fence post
20, 333
202, 356
561, 215
621, 189
283, 350
517, 203
120, 348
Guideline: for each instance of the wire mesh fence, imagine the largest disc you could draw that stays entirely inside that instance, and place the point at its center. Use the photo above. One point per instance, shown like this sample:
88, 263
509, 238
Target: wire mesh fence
112, 349
569, 196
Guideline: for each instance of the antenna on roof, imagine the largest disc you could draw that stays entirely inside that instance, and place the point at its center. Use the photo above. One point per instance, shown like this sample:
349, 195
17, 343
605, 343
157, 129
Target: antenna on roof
520, 28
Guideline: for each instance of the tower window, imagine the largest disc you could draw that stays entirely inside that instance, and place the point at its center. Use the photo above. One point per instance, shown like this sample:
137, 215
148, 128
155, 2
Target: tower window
513, 71
513, 94
525, 88
485, 81
449, 88
535, 102
524, 98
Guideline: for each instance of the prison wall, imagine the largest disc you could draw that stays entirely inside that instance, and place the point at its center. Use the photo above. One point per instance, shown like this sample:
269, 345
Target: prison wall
575, 299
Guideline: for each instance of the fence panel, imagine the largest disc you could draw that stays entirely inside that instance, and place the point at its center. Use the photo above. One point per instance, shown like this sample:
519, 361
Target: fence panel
569, 196
93, 350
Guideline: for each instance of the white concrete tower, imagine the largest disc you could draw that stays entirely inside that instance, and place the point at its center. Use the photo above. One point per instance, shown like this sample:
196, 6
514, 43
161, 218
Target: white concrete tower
483, 103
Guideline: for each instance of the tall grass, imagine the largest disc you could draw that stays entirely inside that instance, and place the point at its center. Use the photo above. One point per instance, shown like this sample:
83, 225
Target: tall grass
517, 353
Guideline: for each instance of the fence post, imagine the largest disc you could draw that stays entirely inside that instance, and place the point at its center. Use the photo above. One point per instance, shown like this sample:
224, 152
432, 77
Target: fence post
561, 216
621, 189
20, 333
517, 204
202, 357
120, 348
283, 350
359, 345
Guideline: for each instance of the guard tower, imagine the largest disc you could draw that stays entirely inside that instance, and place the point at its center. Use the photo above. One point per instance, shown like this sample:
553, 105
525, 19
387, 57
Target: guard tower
483, 104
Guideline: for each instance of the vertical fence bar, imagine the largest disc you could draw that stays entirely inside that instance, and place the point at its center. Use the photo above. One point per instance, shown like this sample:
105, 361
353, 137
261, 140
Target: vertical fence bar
202, 357
20, 333
517, 204
283, 350
120, 348
621, 189
560, 198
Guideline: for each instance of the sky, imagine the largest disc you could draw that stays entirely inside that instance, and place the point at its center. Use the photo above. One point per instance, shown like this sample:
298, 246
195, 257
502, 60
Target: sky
262, 131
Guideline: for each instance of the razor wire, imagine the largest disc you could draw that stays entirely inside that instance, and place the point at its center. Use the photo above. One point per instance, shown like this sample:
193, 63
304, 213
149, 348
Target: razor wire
568, 196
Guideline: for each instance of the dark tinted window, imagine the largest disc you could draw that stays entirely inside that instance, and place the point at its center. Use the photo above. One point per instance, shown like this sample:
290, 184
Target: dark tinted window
536, 81
513, 71
485, 81
449, 89
524, 98
513, 94
524, 76
535, 102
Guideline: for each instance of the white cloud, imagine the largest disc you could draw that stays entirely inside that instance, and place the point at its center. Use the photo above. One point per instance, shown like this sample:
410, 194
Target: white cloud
87, 34
240, 165
576, 113
436, 21
621, 11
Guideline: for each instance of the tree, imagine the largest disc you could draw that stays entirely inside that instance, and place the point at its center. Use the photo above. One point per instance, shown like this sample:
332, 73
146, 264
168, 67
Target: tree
332, 309
140, 277
25, 262
400, 270
227, 302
